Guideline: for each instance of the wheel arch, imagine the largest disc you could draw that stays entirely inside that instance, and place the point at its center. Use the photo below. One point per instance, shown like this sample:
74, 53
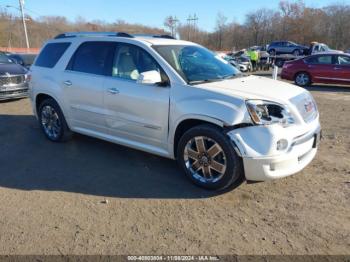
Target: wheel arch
41, 96
185, 124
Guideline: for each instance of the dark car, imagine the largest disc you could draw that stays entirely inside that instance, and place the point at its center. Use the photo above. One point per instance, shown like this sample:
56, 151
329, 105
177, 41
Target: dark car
326, 68
286, 47
25, 60
13, 79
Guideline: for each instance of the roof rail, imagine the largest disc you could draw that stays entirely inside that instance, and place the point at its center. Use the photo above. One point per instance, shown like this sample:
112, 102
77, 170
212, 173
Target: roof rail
93, 34
154, 36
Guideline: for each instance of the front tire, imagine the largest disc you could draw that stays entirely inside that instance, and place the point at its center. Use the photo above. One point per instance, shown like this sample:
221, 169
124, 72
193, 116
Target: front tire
208, 158
302, 79
52, 121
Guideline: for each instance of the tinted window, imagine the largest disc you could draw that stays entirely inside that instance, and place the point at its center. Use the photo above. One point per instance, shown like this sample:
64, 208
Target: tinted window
343, 60
93, 58
4, 59
196, 64
322, 60
51, 53
131, 61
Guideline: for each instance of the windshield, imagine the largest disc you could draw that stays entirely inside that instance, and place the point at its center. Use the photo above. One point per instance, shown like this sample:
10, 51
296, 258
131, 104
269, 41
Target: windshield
325, 48
4, 59
197, 64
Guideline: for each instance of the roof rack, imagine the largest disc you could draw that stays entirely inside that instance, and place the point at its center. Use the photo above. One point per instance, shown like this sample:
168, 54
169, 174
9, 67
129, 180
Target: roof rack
93, 34
154, 36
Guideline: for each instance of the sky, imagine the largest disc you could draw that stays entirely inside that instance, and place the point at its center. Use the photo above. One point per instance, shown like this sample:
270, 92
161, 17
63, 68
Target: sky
152, 12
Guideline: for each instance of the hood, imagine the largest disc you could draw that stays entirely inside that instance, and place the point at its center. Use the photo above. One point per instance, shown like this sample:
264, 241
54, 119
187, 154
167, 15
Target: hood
12, 69
254, 87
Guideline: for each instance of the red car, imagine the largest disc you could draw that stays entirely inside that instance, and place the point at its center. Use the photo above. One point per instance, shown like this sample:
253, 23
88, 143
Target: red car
326, 68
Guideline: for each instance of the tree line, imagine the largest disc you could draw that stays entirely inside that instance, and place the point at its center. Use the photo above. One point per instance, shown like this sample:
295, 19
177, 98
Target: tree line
292, 20
46, 27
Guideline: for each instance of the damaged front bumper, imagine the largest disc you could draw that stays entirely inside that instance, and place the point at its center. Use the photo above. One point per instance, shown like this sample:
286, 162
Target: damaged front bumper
272, 152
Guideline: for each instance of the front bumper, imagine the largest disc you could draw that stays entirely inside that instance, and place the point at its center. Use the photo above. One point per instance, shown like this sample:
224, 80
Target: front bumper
263, 163
14, 92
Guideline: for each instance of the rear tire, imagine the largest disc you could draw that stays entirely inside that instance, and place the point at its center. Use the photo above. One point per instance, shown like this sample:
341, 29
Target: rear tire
208, 158
296, 52
52, 121
302, 79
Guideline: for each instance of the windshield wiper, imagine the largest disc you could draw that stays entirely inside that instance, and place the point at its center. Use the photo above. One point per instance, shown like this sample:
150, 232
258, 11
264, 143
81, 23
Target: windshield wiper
196, 82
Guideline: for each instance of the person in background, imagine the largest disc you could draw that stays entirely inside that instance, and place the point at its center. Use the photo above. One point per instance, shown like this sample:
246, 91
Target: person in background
254, 58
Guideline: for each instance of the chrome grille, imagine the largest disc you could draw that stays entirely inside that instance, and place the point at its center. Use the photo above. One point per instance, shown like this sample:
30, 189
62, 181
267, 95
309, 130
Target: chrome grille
306, 106
11, 80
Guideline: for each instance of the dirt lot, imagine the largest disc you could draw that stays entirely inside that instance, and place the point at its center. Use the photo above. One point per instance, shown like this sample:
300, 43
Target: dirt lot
53, 197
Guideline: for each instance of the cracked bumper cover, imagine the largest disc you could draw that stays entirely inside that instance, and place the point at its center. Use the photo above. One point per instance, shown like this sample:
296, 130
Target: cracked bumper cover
257, 146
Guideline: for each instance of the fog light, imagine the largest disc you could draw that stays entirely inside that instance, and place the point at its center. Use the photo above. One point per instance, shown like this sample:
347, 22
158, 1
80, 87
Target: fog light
282, 144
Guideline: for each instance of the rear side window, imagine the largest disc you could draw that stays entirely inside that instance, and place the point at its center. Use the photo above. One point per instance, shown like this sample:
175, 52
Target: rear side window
93, 58
343, 60
51, 53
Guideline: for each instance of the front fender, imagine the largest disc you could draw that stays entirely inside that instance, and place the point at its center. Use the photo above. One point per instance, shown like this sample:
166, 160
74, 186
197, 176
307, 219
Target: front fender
210, 110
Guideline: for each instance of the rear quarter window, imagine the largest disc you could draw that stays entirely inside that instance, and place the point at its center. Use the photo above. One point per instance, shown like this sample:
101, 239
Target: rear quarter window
51, 54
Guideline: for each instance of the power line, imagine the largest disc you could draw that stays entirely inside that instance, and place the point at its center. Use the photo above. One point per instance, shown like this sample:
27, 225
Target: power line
191, 23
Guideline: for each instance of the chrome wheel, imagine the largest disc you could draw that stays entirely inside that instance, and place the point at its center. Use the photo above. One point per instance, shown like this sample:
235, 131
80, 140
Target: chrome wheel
302, 79
50, 122
205, 159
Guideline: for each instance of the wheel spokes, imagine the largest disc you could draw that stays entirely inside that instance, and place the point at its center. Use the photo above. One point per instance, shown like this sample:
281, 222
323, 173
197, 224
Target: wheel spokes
207, 172
220, 168
205, 164
214, 150
196, 166
192, 154
200, 144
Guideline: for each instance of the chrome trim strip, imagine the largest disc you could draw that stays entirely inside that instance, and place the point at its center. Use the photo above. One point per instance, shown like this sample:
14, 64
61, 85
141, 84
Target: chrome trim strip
306, 137
329, 78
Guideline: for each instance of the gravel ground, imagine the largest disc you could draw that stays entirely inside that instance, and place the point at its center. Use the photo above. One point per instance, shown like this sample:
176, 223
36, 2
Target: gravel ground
92, 197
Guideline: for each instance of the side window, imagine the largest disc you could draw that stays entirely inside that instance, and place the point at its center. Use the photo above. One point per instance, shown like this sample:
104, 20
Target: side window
93, 58
325, 60
321, 60
130, 61
51, 53
343, 60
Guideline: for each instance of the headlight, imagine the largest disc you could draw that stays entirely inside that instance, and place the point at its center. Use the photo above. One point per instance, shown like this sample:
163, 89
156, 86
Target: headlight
268, 113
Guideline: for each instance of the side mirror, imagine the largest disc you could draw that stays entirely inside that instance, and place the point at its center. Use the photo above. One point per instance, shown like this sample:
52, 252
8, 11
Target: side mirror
149, 78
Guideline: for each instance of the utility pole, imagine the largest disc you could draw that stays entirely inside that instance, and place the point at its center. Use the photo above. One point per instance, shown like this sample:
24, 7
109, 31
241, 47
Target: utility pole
191, 21
173, 21
21, 4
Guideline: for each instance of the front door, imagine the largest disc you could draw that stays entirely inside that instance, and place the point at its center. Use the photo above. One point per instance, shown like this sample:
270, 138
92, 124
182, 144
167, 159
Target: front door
136, 113
321, 67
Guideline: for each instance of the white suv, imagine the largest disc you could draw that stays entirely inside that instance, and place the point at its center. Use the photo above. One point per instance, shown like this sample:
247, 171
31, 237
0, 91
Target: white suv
175, 99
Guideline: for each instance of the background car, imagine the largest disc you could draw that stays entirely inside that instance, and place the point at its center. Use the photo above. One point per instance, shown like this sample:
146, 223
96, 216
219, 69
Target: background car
322, 48
25, 60
13, 79
286, 47
327, 68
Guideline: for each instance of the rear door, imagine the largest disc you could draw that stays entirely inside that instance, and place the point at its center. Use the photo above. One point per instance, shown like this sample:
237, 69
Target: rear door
342, 69
82, 84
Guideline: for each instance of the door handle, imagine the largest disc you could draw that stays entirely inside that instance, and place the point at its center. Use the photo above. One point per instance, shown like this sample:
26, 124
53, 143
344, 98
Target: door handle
113, 91
337, 68
67, 83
